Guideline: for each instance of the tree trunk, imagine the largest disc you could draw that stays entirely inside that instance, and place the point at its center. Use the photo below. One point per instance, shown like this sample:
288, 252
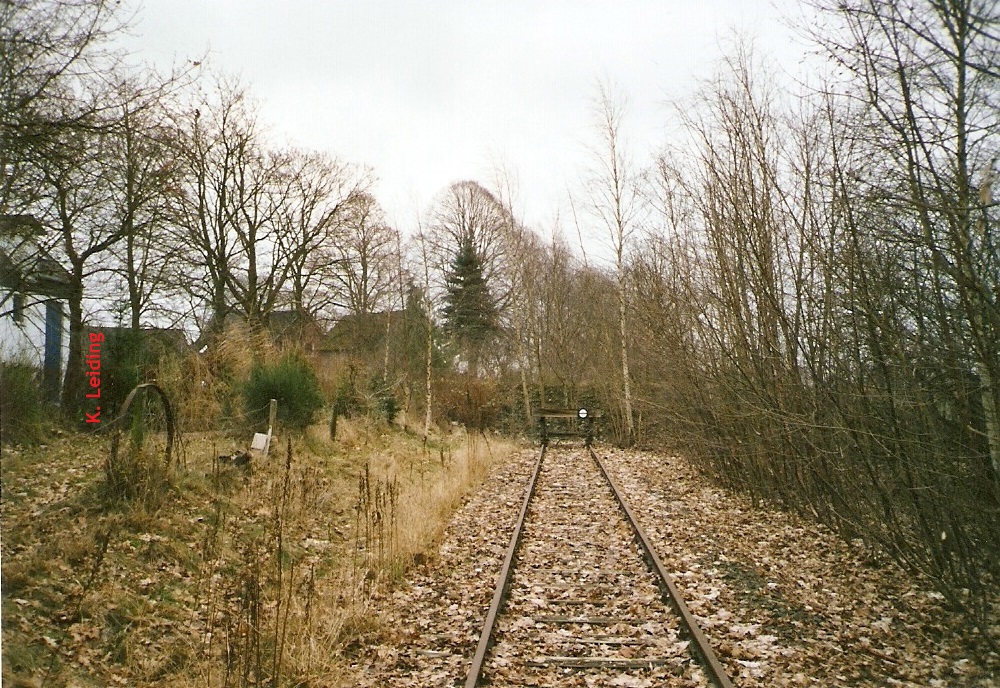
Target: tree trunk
73, 381
992, 414
428, 417
626, 378
522, 359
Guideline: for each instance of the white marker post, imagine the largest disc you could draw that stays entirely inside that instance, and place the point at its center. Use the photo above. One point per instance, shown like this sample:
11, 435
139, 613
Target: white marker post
262, 442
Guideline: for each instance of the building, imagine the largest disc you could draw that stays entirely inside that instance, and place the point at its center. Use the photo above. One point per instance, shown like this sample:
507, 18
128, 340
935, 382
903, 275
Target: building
157, 340
34, 290
294, 329
363, 335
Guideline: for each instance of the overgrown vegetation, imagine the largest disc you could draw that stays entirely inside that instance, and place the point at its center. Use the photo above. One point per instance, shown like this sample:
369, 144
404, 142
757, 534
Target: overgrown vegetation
21, 407
253, 575
143, 449
826, 338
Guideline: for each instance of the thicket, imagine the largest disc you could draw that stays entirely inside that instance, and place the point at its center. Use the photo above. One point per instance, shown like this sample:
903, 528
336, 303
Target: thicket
143, 450
469, 401
819, 327
375, 397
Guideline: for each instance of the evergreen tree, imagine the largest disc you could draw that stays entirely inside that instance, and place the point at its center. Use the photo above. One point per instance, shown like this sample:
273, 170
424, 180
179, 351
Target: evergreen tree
470, 312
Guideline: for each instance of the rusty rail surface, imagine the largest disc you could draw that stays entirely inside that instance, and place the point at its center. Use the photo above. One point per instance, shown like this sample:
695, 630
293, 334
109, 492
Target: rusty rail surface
503, 582
702, 649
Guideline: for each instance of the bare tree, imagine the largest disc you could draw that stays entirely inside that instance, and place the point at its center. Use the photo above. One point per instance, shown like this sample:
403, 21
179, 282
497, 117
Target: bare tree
929, 74
145, 187
204, 222
316, 221
53, 60
823, 292
575, 340
76, 200
429, 349
236, 189
363, 257
468, 212
613, 199
525, 250
466, 247
49, 50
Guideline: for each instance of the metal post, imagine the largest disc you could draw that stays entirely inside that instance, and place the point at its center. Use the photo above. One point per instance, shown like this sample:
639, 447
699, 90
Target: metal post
272, 413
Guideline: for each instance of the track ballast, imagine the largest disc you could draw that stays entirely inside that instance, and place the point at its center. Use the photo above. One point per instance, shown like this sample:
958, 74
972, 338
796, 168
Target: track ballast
580, 600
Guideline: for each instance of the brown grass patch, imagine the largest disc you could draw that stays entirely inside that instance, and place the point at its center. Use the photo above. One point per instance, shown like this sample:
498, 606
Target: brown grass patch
239, 578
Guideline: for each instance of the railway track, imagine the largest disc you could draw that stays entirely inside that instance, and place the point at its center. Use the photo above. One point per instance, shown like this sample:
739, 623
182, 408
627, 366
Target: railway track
581, 598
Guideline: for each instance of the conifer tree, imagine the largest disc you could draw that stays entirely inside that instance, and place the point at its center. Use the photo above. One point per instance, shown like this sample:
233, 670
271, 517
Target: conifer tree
470, 312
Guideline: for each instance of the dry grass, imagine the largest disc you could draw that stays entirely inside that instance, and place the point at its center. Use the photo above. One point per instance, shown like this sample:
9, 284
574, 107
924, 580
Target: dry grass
205, 388
425, 508
405, 499
233, 578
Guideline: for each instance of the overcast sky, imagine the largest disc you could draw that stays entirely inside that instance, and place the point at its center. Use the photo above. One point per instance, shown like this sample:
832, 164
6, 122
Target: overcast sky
428, 93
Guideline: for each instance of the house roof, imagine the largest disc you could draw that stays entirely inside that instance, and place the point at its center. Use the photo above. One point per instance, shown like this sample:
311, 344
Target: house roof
25, 265
361, 332
293, 323
165, 338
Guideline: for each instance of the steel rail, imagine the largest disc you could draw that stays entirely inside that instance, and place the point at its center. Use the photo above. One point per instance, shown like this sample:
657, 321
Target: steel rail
703, 648
503, 582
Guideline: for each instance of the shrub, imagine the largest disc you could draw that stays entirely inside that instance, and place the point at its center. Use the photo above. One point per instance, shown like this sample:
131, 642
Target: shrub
125, 363
386, 404
468, 400
21, 407
135, 472
137, 468
347, 401
193, 389
388, 407
376, 398
292, 382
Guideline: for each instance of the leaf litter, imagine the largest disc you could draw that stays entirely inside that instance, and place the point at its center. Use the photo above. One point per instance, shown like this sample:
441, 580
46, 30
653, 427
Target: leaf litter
784, 601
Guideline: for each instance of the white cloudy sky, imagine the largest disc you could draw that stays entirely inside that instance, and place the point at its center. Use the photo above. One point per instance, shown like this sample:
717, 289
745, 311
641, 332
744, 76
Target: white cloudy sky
428, 93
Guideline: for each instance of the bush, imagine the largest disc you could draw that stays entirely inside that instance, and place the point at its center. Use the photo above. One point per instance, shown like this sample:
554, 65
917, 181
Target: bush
385, 402
21, 408
347, 402
292, 382
135, 472
126, 361
194, 389
377, 400
469, 401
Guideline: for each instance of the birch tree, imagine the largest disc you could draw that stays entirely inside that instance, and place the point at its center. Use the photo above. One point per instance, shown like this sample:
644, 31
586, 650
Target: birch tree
613, 200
